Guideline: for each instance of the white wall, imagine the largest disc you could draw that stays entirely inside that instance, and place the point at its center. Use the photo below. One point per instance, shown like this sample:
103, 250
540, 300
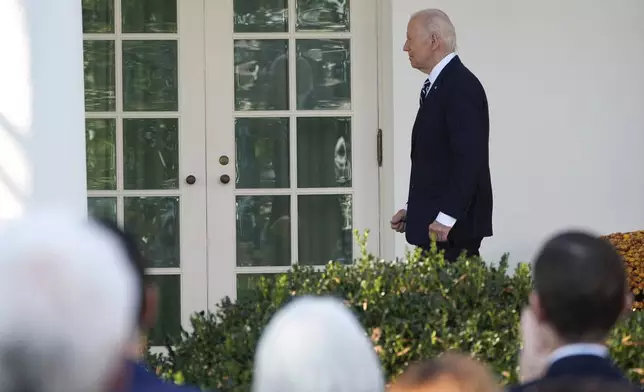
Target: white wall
565, 82
42, 137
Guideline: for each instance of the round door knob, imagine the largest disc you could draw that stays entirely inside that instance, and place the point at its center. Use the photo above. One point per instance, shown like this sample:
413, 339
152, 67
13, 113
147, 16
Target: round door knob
191, 179
225, 178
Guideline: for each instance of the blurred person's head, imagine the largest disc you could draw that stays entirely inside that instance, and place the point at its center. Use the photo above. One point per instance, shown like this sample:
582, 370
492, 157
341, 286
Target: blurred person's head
451, 372
580, 287
68, 302
316, 344
147, 307
148, 292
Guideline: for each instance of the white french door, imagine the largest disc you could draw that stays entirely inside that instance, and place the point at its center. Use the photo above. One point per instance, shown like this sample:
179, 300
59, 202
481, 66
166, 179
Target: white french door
291, 121
233, 138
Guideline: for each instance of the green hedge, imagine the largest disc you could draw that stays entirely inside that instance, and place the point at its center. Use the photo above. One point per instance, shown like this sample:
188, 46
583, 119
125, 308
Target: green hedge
412, 309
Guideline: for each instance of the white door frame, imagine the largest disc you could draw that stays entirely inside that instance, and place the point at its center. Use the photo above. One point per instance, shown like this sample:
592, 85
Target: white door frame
220, 134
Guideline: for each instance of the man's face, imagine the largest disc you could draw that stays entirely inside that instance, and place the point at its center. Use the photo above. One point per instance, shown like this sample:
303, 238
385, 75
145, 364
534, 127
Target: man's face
419, 46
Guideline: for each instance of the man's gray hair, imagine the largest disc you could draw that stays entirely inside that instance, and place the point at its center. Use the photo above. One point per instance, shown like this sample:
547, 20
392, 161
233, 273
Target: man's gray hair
437, 22
68, 305
315, 344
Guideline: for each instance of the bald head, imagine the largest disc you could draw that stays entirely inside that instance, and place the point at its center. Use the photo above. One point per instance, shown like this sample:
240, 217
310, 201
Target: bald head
430, 37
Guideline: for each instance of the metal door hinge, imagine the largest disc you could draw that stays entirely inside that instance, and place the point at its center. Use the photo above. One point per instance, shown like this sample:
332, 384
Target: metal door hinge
379, 147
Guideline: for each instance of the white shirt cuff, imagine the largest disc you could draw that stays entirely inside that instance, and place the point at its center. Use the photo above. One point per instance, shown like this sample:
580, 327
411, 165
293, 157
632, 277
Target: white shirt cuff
445, 220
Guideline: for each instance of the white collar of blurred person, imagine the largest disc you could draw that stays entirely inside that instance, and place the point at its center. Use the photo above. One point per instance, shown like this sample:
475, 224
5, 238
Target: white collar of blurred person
68, 303
433, 75
570, 350
316, 344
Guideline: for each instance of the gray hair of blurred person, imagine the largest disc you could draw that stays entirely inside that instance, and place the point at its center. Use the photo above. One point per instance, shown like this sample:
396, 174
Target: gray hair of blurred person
315, 344
68, 303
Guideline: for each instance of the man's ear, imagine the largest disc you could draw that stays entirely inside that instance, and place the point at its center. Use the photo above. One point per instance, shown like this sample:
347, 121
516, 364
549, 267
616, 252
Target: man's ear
535, 305
628, 304
150, 307
434, 40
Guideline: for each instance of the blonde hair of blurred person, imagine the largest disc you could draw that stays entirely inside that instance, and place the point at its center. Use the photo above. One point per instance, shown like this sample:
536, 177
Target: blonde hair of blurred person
315, 344
67, 305
451, 372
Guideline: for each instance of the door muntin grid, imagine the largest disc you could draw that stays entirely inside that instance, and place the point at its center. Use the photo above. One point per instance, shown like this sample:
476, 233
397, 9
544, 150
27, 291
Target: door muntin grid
293, 133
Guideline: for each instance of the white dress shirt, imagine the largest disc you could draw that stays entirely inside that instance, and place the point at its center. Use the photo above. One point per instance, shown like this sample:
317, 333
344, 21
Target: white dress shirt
570, 350
442, 218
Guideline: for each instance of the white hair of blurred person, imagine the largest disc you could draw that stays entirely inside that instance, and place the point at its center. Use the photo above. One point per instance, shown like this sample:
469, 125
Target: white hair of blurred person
68, 303
315, 344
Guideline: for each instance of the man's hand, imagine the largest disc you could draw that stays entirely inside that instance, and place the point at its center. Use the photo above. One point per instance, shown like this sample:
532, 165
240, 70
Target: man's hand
438, 231
399, 221
538, 343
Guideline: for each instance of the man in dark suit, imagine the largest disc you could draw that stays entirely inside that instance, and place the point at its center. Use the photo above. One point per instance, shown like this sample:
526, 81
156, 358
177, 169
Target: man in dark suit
580, 292
450, 190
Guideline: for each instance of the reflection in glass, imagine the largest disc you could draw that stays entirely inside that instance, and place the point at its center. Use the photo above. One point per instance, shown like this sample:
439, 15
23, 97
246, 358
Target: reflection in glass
263, 230
155, 223
327, 15
100, 153
98, 16
102, 208
99, 71
149, 16
261, 16
150, 75
323, 152
261, 74
323, 74
151, 153
168, 322
325, 227
246, 283
262, 152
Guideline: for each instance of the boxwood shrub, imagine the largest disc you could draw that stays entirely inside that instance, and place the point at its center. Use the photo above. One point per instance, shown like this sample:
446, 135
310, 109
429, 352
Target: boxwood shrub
413, 308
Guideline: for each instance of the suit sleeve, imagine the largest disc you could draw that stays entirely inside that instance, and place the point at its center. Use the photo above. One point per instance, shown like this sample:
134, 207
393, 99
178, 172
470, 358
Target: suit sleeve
467, 134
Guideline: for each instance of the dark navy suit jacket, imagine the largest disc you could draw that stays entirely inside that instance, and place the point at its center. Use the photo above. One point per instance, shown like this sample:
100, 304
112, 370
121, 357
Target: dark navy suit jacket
146, 381
450, 170
578, 367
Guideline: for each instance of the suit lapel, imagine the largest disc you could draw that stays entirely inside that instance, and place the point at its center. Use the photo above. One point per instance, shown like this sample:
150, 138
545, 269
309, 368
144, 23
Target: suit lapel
581, 365
432, 96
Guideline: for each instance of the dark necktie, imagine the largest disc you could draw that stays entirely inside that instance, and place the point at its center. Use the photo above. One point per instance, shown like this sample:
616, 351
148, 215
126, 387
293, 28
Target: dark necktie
424, 91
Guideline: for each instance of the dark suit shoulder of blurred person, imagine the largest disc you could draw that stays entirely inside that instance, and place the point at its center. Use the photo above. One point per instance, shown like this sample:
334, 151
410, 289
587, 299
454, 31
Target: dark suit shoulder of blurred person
138, 377
574, 384
580, 292
453, 372
450, 187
